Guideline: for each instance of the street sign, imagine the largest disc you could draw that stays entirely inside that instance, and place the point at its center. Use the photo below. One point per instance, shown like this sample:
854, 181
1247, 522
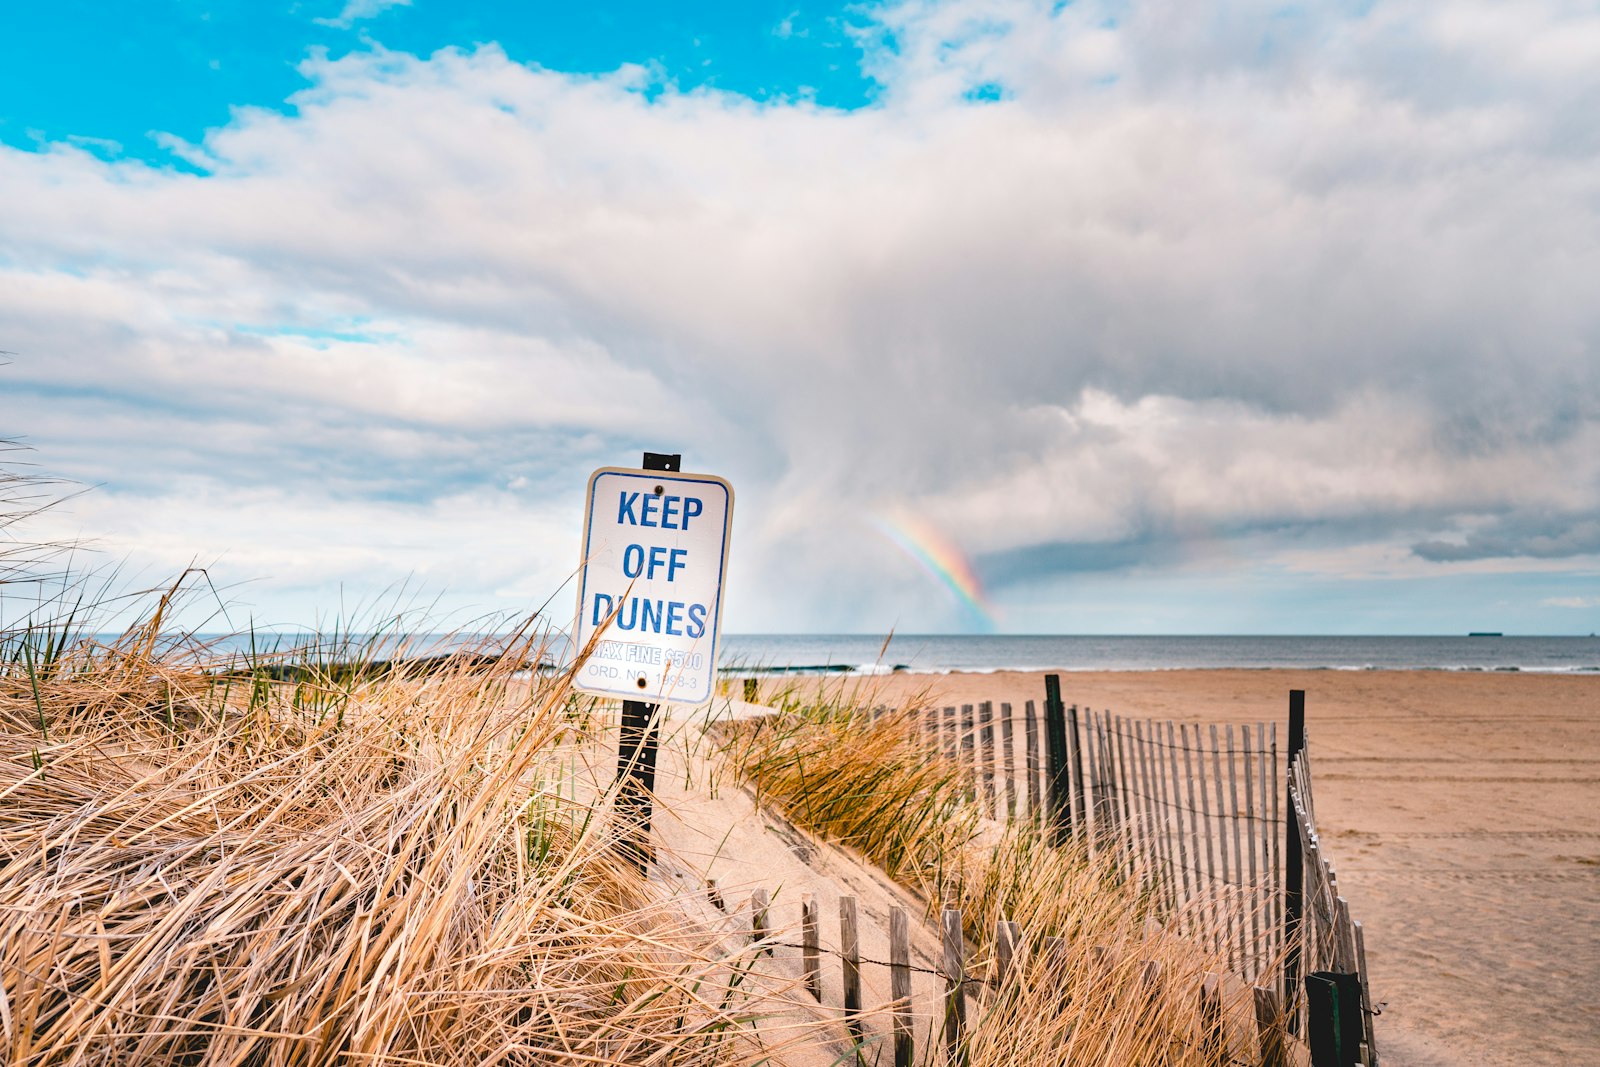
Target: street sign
655, 550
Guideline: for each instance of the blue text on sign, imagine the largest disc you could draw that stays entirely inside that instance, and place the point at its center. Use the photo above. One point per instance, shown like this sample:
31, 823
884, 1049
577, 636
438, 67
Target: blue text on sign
667, 512
635, 561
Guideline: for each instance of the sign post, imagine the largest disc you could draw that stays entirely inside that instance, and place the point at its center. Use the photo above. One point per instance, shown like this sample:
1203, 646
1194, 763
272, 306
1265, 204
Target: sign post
655, 551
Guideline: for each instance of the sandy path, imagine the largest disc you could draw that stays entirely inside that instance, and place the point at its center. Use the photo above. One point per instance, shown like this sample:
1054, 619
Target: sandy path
714, 845
1463, 812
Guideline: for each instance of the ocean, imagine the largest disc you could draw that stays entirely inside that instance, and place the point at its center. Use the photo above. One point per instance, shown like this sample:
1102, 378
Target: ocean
935, 653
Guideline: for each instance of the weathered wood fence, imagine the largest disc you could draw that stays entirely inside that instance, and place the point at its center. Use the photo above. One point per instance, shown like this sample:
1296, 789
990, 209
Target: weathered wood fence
971, 985
1217, 820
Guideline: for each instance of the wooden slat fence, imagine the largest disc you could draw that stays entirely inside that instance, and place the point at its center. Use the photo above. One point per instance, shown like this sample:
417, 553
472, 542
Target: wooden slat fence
1249, 1029
1331, 940
1197, 812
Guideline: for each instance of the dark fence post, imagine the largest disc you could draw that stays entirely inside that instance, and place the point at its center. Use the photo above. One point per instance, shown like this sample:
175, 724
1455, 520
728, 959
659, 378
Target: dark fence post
1293, 866
1060, 769
1333, 1014
636, 747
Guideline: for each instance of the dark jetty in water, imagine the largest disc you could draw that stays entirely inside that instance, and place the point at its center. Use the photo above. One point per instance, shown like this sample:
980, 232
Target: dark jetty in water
347, 670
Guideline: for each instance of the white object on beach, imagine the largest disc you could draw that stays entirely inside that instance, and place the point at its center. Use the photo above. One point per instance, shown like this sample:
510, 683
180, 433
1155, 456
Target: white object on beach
655, 550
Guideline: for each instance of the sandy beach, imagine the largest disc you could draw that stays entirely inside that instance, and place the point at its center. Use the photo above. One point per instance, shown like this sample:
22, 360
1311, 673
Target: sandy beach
1463, 812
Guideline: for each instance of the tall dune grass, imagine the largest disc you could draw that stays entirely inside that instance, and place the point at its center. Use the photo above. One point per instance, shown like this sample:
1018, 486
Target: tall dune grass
1119, 987
276, 862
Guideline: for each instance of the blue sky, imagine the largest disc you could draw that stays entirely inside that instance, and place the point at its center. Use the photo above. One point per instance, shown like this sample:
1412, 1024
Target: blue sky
1170, 317
115, 73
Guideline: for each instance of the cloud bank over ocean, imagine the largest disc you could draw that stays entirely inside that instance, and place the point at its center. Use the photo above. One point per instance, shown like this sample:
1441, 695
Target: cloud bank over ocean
1165, 317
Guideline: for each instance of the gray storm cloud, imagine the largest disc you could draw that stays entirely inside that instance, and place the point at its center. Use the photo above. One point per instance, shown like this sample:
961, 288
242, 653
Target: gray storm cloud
1189, 278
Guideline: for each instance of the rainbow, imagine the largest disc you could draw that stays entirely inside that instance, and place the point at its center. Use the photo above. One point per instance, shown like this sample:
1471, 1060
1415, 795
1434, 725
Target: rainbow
943, 561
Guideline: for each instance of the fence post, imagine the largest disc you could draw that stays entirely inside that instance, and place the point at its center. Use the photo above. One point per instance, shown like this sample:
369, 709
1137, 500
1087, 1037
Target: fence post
1006, 936
1333, 1018
1294, 873
1075, 776
636, 745
1055, 727
759, 903
900, 985
1008, 760
955, 970
1213, 1035
850, 949
1269, 1028
811, 955
986, 755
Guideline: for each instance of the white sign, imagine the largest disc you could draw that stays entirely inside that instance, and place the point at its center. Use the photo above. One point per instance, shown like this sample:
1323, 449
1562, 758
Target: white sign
655, 549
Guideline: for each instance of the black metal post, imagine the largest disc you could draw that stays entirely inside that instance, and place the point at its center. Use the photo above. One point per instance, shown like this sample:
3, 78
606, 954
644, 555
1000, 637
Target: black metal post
1294, 872
1333, 1014
1060, 769
636, 747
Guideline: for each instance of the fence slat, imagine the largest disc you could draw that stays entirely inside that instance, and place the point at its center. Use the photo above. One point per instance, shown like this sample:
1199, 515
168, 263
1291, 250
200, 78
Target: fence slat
966, 755
1030, 727
1213, 1037
900, 985
1150, 978
1099, 838
1075, 773
1008, 760
1220, 832
1257, 953
1144, 791
1138, 796
1202, 872
1005, 950
1367, 1009
1191, 880
1241, 896
1129, 825
1167, 770
1269, 1029
850, 951
955, 971
1155, 818
809, 940
1274, 842
759, 904
986, 755
1108, 781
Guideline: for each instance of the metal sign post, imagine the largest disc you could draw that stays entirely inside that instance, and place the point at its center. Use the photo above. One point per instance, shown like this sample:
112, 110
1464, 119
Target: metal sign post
655, 551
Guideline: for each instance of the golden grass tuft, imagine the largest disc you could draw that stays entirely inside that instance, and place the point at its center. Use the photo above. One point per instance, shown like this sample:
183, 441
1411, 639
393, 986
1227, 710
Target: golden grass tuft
1120, 988
249, 864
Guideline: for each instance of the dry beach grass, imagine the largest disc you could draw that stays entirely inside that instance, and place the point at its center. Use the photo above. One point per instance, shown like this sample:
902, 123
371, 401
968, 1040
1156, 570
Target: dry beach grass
1462, 809
281, 861
224, 868
1118, 988
323, 857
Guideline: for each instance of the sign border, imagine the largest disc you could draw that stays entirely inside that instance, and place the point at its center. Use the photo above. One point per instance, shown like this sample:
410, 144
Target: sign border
654, 477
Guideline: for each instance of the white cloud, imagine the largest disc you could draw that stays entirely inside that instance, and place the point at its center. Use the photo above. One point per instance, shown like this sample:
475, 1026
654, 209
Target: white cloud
1572, 601
355, 11
1195, 279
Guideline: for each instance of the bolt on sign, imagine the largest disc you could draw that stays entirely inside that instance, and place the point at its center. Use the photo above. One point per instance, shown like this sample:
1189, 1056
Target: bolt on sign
655, 550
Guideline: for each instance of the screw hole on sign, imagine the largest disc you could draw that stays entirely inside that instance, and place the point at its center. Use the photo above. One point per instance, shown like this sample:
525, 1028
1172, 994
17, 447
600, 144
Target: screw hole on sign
660, 489
641, 681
